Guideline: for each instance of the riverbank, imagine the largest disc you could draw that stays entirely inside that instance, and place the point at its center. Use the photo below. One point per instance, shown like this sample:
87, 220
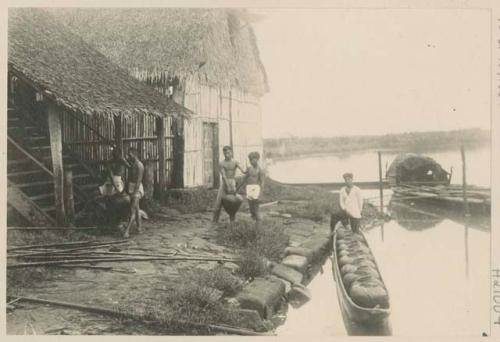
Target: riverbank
200, 292
301, 147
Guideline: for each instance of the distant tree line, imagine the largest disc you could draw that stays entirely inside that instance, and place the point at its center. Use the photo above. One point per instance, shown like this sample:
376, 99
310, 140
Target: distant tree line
414, 142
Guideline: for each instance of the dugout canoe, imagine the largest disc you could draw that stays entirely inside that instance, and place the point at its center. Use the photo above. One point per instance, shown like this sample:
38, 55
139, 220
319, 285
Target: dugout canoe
363, 317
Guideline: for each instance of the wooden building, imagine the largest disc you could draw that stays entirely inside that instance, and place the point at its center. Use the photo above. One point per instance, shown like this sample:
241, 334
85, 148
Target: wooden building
206, 59
68, 106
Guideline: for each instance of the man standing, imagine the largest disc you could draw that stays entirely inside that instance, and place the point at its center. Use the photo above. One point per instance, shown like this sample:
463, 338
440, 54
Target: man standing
351, 204
227, 170
135, 189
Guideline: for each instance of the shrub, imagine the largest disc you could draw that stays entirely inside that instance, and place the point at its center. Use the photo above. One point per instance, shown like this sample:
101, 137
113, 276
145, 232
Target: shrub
218, 278
267, 238
252, 264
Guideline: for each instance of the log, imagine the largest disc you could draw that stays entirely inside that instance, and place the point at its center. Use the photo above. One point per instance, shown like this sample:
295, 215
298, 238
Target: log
61, 251
50, 228
267, 204
76, 243
113, 313
83, 261
104, 268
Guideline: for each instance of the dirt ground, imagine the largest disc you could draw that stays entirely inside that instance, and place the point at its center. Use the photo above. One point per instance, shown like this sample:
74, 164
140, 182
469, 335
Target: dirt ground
134, 285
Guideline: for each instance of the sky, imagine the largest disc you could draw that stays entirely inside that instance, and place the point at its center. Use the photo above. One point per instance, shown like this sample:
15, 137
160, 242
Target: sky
337, 72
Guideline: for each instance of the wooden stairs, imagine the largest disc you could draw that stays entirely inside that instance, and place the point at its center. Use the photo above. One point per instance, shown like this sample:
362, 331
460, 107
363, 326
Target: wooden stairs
29, 170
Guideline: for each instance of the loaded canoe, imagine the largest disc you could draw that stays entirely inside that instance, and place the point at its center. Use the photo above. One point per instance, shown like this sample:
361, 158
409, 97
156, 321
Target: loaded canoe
368, 317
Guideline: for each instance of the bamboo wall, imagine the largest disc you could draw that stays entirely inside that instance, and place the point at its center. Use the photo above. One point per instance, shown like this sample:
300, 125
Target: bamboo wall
90, 137
218, 105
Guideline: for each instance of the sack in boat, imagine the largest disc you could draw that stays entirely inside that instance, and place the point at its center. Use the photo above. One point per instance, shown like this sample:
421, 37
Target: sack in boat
350, 278
348, 269
369, 295
231, 203
358, 250
345, 260
342, 233
357, 237
368, 279
342, 247
364, 262
346, 252
372, 271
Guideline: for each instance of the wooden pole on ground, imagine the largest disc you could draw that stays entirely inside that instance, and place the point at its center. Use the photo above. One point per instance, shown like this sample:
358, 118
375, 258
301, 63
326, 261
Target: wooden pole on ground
113, 313
160, 133
381, 185
54, 121
112, 259
69, 201
464, 182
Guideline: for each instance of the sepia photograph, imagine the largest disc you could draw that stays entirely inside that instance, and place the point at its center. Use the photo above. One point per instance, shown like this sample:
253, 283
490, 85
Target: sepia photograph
253, 171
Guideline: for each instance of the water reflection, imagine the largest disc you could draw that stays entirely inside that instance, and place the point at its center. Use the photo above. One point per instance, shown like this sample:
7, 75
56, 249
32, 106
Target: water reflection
418, 215
413, 218
436, 272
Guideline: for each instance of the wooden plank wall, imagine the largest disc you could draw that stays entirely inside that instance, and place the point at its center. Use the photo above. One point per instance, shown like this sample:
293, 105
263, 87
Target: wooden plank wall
212, 104
138, 131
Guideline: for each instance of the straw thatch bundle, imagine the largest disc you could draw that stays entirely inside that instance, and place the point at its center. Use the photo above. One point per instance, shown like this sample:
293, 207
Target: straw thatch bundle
74, 74
217, 46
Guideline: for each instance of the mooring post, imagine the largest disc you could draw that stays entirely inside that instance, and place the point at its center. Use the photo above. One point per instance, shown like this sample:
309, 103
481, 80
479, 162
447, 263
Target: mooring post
464, 182
56, 146
69, 201
381, 185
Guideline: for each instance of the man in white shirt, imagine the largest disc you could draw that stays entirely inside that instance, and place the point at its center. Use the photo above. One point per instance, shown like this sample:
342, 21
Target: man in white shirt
351, 204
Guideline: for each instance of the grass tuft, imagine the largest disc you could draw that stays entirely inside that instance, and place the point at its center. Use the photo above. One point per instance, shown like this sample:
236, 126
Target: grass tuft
257, 243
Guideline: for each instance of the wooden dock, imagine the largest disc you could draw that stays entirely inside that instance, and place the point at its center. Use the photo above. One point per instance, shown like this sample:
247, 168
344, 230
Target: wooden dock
338, 185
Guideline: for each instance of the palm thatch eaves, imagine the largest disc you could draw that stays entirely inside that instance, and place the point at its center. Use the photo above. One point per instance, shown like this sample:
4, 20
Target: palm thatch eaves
74, 74
216, 45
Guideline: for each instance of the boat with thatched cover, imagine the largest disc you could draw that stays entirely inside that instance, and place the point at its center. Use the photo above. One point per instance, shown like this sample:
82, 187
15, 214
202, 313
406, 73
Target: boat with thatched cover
414, 177
416, 169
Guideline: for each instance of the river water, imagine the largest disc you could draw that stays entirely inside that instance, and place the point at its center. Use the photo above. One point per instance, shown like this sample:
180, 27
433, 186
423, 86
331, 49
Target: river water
434, 263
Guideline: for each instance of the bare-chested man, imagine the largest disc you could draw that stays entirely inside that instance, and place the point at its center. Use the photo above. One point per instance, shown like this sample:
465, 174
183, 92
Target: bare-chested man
135, 189
227, 170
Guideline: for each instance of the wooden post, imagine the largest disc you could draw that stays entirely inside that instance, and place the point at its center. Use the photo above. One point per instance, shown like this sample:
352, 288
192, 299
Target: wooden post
466, 236
464, 182
160, 134
231, 120
118, 120
148, 179
57, 161
69, 202
178, 146
216, 155
381, 185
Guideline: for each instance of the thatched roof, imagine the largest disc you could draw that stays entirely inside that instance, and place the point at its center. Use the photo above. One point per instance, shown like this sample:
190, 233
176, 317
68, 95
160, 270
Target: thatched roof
74, 74
411, 167
216, 45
